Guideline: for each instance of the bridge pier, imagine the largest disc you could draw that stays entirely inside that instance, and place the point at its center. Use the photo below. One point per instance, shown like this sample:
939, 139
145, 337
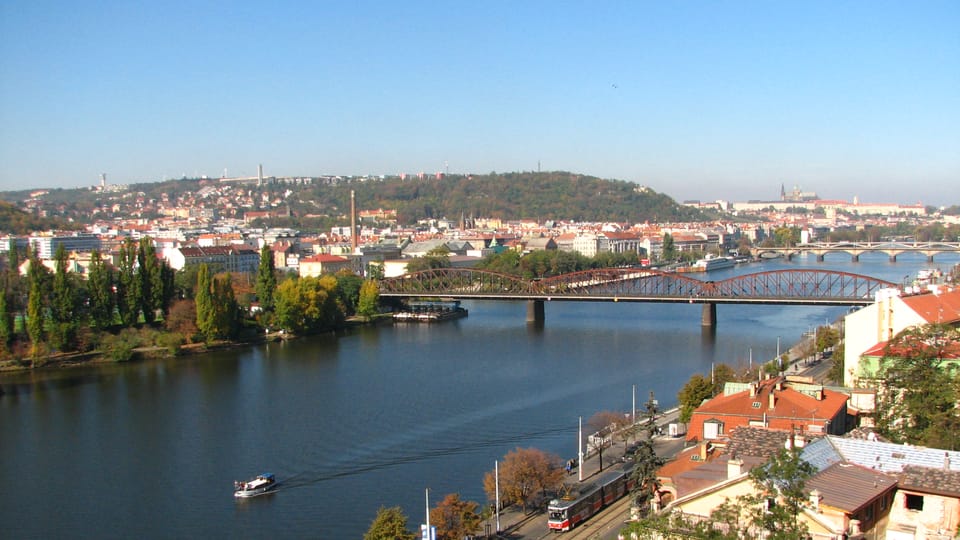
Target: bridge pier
929, 258
535, 311
709, 316
893, 258
819, 257
855, 258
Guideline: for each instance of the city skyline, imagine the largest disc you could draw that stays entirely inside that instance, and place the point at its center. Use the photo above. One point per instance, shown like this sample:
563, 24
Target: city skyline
698, 101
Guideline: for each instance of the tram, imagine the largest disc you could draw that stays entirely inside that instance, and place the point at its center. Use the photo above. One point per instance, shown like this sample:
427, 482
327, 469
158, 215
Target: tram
565, 514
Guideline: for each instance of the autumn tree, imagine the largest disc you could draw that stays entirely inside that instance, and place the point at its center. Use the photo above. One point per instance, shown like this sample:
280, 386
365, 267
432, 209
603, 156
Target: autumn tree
524, 472
604, 424
368, 303
308, 304
389, 524
455, 518
182, 319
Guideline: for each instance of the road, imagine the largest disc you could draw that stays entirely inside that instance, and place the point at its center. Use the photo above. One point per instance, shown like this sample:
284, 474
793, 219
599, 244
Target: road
607, 523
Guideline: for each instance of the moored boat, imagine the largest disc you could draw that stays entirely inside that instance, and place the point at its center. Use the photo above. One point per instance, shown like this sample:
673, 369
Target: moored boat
715, 263
257, 486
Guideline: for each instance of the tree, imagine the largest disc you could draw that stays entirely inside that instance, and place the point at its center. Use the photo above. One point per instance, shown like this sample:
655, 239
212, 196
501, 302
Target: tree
919, 388
182, 319
438, 257
6, 318
780, 497
651, 410
100, 290
697, 389
836, 365
266, 279
204, 302
826, 337
63, 303
455, 518
668, 251
148, 280
128, 290
368, 304
524, 472
37, 276
605, 425
644, 473
389, 524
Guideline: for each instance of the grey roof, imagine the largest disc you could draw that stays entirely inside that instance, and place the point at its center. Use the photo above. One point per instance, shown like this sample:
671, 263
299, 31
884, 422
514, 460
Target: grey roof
931, 480
849, 487
876, 455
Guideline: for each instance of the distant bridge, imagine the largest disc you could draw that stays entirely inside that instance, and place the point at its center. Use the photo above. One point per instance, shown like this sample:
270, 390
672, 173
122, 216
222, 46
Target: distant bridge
797, 287
855, 249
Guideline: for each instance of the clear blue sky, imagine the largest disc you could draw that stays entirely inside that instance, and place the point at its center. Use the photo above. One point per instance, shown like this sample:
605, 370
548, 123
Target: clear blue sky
696, 99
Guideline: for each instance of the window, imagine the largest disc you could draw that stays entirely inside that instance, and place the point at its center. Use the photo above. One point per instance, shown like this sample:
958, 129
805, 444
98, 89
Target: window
913, 502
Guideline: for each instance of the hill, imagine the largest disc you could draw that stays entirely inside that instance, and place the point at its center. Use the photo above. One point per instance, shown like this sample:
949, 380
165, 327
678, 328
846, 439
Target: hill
521, 195
16, 221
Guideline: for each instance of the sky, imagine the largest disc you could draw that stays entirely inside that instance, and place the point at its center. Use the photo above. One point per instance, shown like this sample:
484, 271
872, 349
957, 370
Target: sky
695, 99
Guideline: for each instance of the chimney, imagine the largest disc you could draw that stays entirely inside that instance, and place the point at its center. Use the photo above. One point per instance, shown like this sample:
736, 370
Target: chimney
703, 451
771, 400
734, 467
353, 222
855, 527
815, 499
753, 390
946, 461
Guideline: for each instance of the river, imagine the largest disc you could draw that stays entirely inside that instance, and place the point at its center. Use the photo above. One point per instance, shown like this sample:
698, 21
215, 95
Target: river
353, 422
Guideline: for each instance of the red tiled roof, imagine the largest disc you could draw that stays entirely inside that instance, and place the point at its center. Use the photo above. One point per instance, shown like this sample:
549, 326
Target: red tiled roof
943, 307
324, 258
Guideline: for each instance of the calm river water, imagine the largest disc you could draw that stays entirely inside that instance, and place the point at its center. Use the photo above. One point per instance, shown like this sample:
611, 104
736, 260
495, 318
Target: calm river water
355, 422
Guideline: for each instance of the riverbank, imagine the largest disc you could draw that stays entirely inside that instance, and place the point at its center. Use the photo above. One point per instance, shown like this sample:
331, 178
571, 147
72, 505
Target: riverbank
68, 360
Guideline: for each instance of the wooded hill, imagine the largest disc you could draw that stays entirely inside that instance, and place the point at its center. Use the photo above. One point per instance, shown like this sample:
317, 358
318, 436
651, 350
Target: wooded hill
15, 221
522, 195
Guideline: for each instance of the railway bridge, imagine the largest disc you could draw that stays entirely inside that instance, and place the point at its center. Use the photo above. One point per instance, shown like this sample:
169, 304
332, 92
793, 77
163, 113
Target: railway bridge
855, 249
785, 287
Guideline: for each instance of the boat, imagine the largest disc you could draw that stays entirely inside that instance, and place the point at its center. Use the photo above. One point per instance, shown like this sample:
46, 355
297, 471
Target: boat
715, 263
257, 486
430, 312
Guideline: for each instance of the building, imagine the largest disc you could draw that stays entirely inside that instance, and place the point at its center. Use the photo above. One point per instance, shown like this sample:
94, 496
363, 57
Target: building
316, 265
240, 259
46, 245
773, 404
868, 329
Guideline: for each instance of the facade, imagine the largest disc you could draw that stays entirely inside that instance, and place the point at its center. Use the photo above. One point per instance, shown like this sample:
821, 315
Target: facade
240, 259
46, 245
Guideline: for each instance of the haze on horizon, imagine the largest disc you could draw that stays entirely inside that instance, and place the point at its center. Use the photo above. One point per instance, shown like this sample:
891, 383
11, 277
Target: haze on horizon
698, 100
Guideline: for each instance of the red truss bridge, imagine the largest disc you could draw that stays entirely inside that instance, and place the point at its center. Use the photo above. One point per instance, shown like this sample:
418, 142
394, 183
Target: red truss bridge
797, 287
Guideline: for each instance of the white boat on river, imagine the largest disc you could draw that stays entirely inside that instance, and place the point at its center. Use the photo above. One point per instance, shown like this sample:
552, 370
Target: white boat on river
257, 486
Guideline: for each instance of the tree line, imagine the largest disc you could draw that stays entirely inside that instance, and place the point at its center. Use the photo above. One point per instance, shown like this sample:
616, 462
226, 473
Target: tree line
141, 301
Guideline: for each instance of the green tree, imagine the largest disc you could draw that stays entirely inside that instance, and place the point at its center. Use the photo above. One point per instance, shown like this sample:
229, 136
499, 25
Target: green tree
348, 291
389, 524
919, 384
644, 473
779, 499
149, 280
6, 318
128, 290
204, 302
100, 291
668, 250
63, 303
266, 279
368, 304
308, 305
455, 518
37, 277
438, 257
697, 389
836, 365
